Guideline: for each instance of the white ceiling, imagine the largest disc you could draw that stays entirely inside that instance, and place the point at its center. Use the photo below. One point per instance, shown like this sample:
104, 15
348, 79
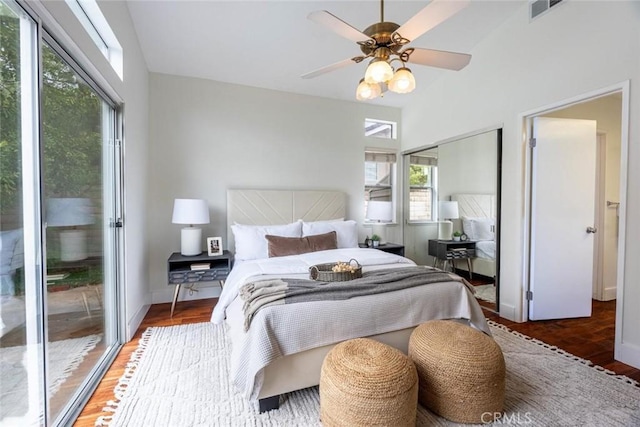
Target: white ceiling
270, 44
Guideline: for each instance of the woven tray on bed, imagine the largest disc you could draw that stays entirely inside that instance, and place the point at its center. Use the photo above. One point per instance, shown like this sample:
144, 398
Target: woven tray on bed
324, 272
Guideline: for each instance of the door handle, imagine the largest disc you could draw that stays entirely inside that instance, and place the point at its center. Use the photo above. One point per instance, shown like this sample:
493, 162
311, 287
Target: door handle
592, 230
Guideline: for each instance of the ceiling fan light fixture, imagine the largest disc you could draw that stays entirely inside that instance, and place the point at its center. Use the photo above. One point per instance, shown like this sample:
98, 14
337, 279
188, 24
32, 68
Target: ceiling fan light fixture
385, 42
402, 81
366, 91
378, 71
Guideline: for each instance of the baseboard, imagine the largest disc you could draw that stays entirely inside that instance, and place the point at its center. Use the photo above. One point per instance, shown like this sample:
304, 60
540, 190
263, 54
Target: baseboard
136, 320
159, 297
610, 293
508, 312
629, 354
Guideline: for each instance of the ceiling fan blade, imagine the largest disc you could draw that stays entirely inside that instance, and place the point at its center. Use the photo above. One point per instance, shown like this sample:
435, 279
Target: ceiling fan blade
439, 58
338, 26
431, 16
333, 67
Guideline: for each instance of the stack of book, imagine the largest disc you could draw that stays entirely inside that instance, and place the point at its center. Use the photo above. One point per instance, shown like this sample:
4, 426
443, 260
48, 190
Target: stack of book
201, 266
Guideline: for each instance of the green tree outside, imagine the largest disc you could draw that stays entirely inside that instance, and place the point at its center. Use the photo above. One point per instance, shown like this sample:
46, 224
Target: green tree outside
71, 125
417, 176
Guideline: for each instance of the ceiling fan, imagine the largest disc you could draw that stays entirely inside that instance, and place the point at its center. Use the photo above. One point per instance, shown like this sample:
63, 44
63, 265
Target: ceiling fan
385, 42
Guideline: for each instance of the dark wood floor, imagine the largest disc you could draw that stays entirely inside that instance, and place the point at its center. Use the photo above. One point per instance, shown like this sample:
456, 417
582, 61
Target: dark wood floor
590, 339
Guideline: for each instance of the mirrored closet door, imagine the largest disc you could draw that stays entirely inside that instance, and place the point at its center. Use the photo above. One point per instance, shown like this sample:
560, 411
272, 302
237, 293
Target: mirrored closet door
452, 209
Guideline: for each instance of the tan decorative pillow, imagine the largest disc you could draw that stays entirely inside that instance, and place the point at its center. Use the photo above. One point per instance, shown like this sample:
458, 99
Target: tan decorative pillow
283, 246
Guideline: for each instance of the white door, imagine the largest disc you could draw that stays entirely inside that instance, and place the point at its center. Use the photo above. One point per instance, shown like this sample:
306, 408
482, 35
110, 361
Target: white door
563, 184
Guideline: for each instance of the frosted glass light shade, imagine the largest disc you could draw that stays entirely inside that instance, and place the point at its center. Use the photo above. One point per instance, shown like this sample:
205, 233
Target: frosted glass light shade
367, 91
402, 81
378, 71
190, 211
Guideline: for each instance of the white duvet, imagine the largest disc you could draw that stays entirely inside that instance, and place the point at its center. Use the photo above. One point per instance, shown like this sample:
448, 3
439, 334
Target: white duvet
486, 249
298, 266
288, 329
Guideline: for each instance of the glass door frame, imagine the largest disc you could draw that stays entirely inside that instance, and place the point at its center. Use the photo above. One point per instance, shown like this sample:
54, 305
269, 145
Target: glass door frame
35, 267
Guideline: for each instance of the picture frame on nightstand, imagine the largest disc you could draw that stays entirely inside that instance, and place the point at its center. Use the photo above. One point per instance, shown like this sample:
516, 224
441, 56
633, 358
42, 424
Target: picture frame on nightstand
214, 246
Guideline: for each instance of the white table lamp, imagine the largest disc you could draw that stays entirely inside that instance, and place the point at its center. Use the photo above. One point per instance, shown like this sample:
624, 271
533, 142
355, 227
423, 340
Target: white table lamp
379, 212
70, 212
190, 211
447, 210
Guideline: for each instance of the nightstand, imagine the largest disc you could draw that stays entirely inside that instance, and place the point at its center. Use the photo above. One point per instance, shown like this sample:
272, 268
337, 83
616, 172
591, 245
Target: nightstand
392, 248
449, 251
189, 270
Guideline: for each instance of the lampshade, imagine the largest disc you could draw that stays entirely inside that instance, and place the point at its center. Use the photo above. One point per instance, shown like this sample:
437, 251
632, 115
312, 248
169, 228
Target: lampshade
402, 81
69, 212
367, 90
448, 210
378, 71
379, 211
190, 211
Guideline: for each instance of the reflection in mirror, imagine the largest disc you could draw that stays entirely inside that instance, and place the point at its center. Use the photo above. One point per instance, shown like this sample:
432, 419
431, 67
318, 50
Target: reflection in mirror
422, 185
463, 171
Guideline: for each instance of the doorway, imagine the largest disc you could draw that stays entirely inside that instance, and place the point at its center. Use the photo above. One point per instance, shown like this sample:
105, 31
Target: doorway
601, 152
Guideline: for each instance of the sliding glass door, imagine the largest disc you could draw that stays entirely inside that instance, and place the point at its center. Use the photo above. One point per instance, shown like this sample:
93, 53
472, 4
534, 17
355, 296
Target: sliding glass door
60, 209
22, 366
77, 126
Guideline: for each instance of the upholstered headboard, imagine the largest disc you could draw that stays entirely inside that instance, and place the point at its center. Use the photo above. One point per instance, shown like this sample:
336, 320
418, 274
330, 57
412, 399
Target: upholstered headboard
476, 205
272, 207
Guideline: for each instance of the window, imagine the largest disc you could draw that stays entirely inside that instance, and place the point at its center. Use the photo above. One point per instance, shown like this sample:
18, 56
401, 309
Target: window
379, 172
379, 128
90, 16
422, 185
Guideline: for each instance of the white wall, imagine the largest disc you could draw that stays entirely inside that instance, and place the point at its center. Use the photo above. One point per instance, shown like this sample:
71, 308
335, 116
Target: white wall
132, 93
209, 137
607, 111
577, 48
469, 166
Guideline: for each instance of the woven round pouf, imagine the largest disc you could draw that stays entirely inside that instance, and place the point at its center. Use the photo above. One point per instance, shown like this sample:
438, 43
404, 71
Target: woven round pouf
366, 383
461, 371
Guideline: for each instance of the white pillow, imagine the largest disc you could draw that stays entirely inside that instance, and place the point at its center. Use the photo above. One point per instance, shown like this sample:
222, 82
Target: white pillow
250, 240
478, 229
483, 229
347, 231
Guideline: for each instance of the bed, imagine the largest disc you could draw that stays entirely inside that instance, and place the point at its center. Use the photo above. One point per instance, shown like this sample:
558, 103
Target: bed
477, 220
284, 346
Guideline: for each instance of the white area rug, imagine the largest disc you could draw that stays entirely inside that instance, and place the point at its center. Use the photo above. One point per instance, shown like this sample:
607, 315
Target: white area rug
178, 376
486, 293
64, 358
